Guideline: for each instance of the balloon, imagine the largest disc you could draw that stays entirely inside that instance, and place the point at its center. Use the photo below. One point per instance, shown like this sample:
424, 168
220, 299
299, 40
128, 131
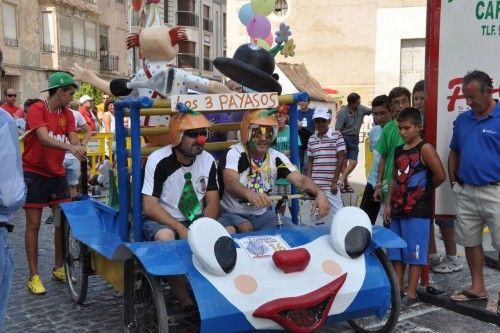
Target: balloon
269, 39
262, 7
245, 13
258, 27
264, 44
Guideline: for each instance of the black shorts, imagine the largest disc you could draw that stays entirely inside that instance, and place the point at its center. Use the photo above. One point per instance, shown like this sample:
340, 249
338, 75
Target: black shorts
45, 191
370, 206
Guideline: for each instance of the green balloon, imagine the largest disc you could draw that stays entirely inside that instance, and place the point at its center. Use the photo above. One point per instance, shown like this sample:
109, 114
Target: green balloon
262, 43
262, 7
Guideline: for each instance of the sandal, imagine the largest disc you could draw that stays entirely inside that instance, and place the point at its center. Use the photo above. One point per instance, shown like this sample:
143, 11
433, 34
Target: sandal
348, 189
465, 296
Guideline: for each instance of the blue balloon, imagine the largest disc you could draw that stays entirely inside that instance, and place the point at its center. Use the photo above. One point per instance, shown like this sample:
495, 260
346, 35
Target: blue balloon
245, 13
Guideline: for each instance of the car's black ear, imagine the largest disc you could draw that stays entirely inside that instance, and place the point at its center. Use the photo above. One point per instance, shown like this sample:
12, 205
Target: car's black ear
350, 232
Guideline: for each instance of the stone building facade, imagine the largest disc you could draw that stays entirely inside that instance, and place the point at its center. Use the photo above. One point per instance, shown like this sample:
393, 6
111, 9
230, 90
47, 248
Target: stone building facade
39, 37
366, 46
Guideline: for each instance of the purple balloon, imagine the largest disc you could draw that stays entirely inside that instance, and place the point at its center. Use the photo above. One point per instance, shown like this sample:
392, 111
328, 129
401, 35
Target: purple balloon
258, 27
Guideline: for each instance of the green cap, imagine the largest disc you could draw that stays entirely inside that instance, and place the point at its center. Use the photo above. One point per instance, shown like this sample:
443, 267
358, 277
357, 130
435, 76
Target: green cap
60, 79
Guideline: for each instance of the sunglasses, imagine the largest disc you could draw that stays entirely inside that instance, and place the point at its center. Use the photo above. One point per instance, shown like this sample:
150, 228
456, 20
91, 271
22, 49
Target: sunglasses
194, 133
263, 131
11, 95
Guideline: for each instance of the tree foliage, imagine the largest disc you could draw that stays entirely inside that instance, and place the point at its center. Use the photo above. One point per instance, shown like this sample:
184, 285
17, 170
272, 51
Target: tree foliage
87, 89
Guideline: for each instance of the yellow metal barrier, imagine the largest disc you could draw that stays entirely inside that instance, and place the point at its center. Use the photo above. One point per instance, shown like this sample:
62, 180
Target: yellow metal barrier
99, 145
368, 157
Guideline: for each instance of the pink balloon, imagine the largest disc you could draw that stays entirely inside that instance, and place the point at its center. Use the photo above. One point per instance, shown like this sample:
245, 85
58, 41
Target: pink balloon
269, 39
258, 27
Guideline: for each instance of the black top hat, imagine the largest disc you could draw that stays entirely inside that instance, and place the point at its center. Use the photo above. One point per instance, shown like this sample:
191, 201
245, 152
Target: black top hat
252, 67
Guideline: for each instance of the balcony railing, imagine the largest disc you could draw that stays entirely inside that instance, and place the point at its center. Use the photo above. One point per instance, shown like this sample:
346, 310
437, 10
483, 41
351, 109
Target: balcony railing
208, 25
109, 63
188, 19
48, 48
90, 54
186, 60
208, 65
66, 49
11, 41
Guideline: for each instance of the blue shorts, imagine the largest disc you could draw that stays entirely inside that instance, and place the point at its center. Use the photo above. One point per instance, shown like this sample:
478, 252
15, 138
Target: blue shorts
415, 232
352, 146
72, 166
265, 221
150, 228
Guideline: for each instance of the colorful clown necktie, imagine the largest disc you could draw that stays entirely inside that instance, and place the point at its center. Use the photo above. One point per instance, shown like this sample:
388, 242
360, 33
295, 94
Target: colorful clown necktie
189, 205
256, 183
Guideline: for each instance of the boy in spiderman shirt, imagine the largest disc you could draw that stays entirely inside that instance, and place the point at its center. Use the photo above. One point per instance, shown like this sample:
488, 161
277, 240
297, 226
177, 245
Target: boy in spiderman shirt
51, 131
417, 172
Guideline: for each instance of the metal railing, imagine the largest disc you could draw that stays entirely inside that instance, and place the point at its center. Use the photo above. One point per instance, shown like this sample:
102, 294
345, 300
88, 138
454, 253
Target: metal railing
48, 48
188, 19
208, 25
187, 60
11, 41
109, 63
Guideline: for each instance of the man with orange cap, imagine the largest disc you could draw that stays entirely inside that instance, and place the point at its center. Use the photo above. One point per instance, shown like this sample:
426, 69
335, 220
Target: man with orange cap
249, 170
179, 186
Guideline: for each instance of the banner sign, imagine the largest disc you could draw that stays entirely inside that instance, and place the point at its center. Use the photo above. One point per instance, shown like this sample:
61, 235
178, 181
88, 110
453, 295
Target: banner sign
229, 101
463, 35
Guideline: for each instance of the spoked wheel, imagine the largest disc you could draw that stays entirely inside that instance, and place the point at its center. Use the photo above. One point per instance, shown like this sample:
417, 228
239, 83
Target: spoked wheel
372, 324
75, 266
144, 303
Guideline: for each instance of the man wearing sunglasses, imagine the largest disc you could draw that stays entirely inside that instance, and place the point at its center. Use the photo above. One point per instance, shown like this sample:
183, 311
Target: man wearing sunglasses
248, 172
180, 185
9, 105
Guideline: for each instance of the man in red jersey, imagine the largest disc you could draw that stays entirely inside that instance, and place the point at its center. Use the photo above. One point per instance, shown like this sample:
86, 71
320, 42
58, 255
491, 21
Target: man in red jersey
48, 124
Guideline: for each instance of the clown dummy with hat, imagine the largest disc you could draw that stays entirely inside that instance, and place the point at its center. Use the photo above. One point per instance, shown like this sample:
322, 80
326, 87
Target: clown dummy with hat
158, 45
248, 171
180, 185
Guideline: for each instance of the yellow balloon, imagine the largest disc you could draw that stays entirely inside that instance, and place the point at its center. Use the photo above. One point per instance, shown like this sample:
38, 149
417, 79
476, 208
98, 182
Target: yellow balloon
262, 7
262, 43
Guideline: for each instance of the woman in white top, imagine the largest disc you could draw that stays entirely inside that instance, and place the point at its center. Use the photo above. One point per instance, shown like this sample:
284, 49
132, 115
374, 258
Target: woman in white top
108, 119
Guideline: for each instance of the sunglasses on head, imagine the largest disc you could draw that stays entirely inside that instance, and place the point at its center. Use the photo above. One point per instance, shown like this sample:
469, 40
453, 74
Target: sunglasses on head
11, 95
194, 133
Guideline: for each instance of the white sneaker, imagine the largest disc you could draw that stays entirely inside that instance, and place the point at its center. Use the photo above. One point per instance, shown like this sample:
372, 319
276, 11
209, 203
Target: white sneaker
448, 265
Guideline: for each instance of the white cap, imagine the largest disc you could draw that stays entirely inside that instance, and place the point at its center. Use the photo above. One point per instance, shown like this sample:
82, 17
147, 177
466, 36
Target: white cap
85, 98
321, 113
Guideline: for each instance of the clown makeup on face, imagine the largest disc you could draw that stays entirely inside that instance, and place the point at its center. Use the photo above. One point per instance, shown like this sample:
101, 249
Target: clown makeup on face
193, 141
260, 140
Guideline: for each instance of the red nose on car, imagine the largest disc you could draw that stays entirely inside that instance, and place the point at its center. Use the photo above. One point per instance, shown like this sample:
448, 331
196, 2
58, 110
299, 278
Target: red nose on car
290, 261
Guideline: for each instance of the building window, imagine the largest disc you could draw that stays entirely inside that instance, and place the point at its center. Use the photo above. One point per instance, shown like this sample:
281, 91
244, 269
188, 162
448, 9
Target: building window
9, 24
48, 32
186, 58
280, 7
207, 63
165, 11
77, 37
208, 24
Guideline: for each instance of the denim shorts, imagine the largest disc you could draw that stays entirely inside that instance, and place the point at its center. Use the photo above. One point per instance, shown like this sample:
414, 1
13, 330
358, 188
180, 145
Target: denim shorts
265, 221
72, 166
415, 232
352, 146
6, 273
150, 228
445, 222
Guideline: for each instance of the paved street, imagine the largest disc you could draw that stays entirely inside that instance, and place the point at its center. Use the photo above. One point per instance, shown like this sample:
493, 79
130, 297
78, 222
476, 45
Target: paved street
102, 312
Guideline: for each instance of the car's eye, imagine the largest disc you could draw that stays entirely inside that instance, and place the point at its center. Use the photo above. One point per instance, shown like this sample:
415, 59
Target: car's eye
212, 245
350, 232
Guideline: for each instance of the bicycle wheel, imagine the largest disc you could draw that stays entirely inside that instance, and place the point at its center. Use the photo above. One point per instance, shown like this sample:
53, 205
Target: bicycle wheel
75, 266
144, 307
372, 324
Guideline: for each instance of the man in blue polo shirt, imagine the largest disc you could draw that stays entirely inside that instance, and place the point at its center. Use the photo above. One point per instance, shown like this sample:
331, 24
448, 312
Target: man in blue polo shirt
474, 171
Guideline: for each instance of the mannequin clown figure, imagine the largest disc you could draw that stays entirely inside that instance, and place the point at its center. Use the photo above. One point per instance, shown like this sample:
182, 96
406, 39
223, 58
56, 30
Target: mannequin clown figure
158, 45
